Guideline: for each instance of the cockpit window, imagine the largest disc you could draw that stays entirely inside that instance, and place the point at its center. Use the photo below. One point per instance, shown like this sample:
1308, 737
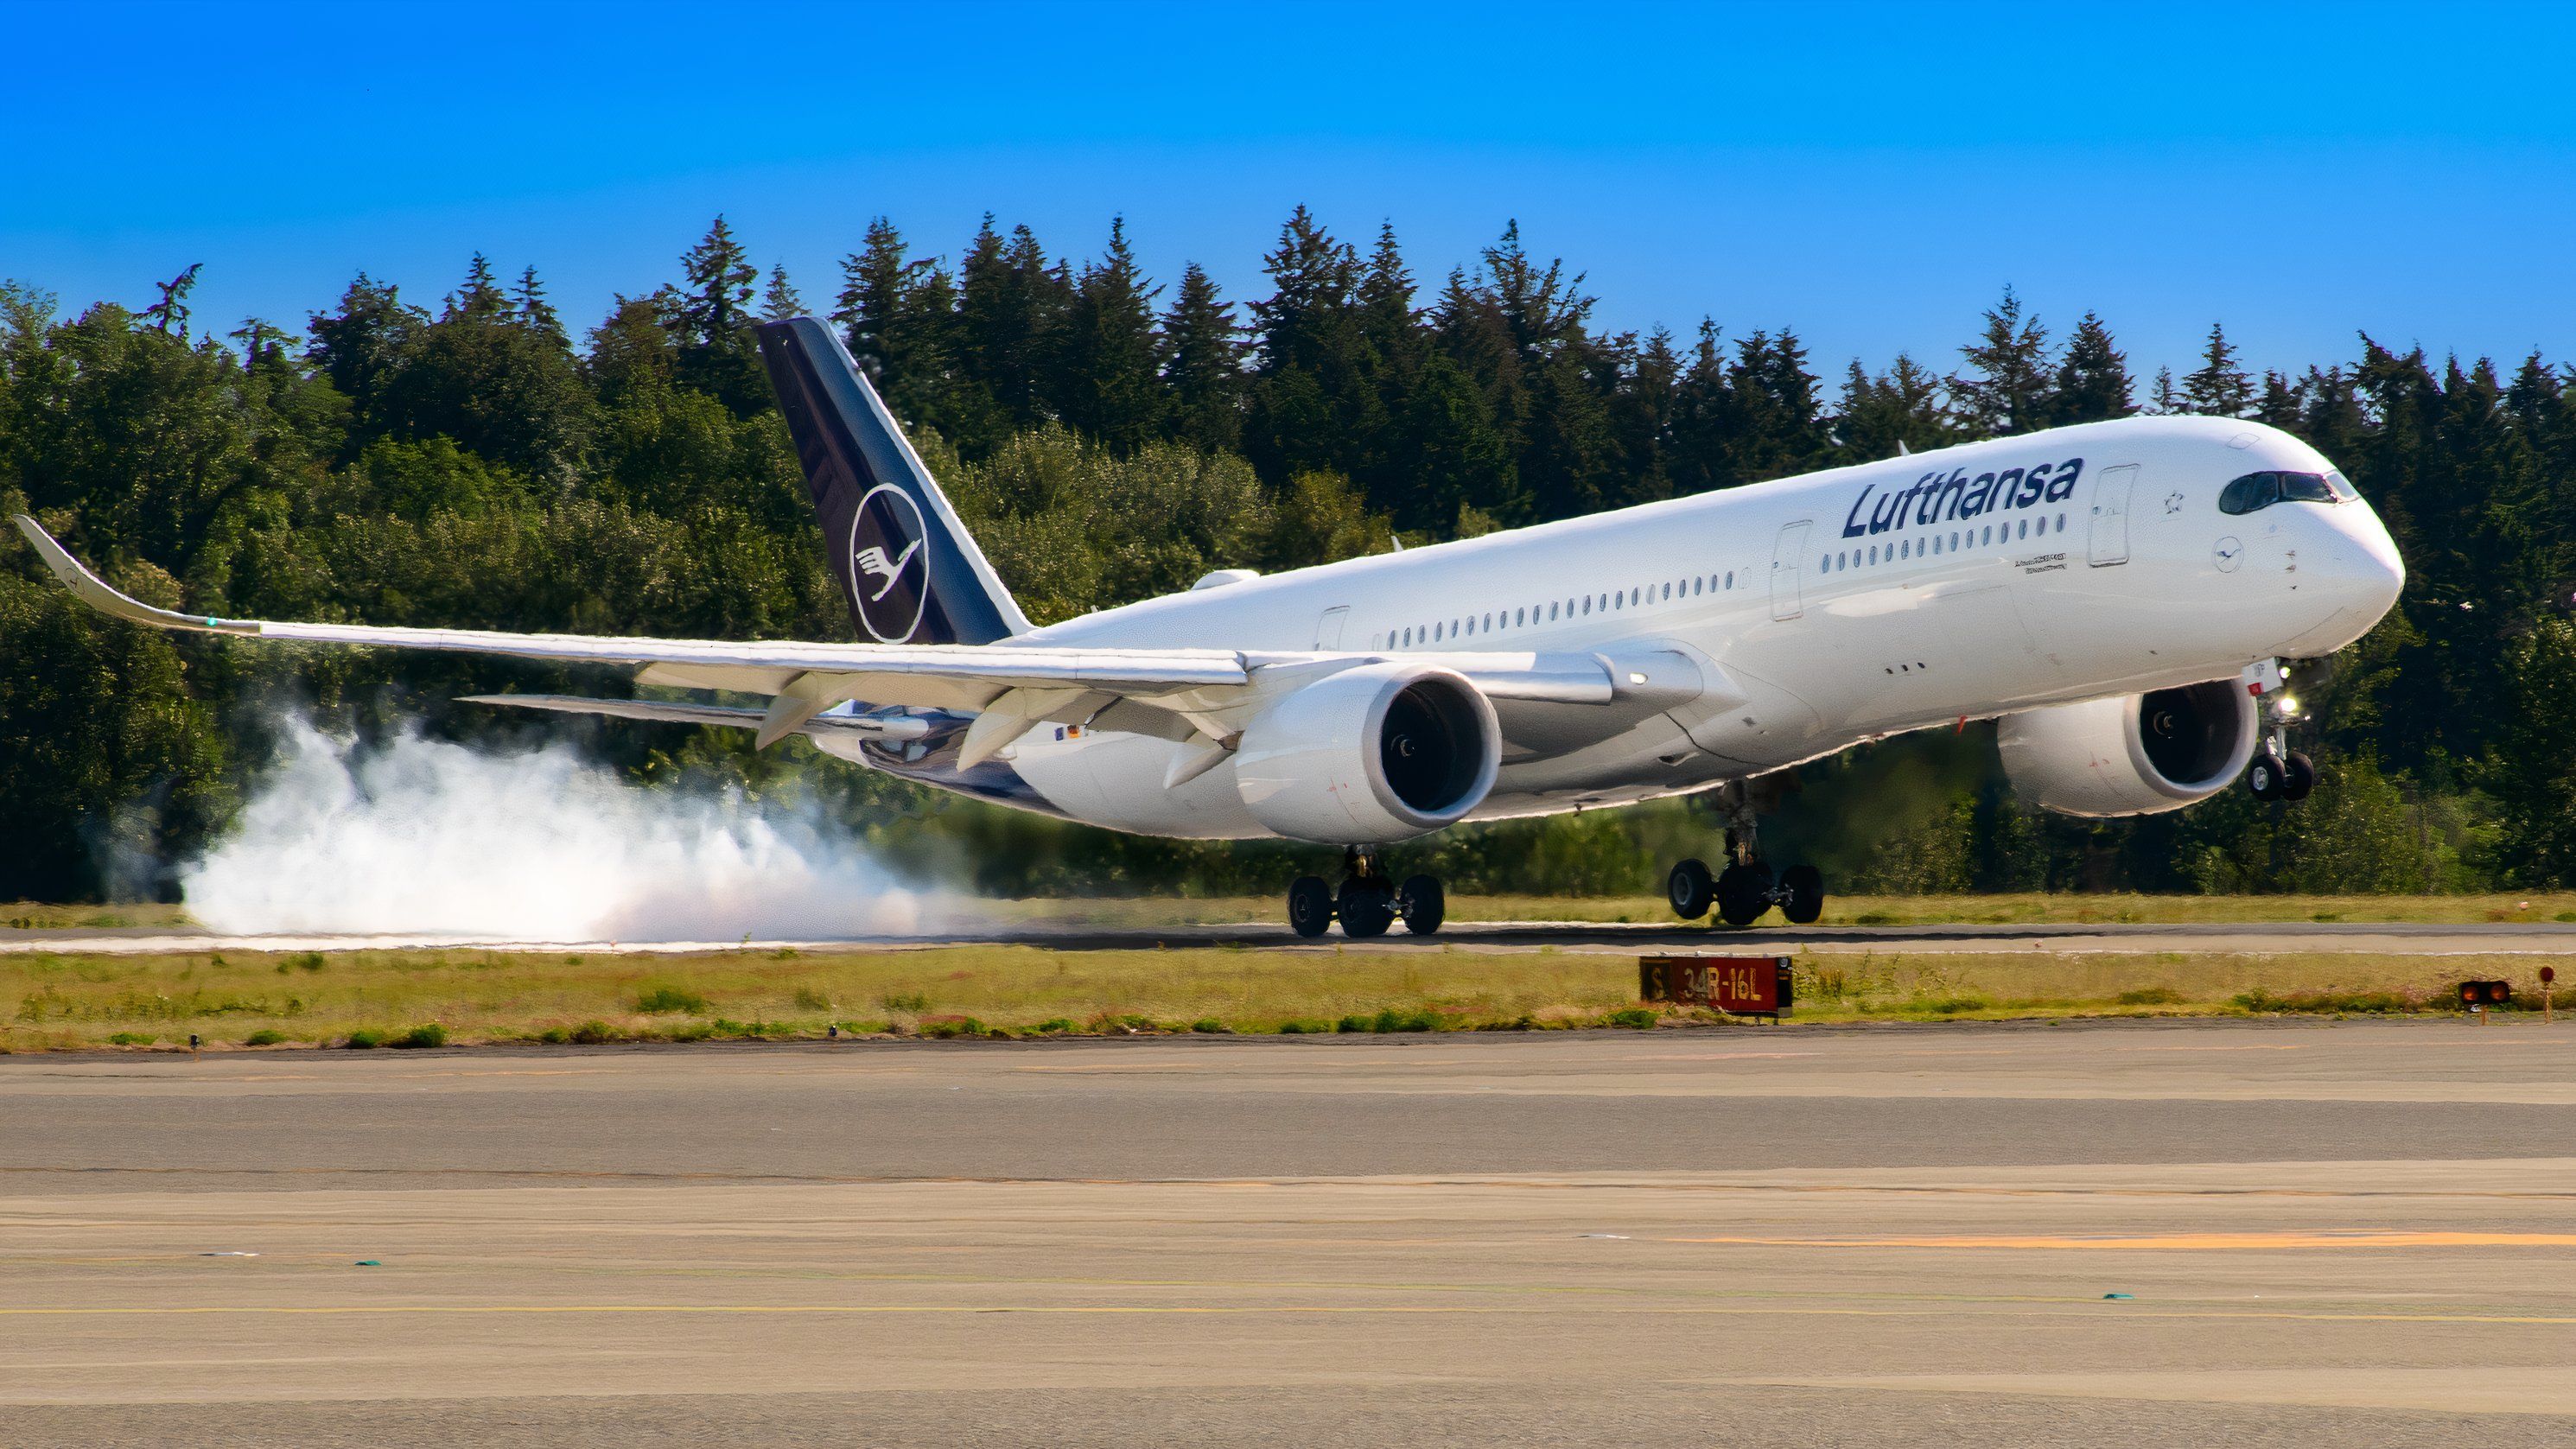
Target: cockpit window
2262, 490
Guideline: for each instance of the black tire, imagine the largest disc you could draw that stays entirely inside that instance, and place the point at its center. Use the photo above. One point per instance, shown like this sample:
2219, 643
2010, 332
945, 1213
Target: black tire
1743, 894
1690, 890
1310, 905
1422, 904
2263, 777
2298, 777
1366, 909
1805, 886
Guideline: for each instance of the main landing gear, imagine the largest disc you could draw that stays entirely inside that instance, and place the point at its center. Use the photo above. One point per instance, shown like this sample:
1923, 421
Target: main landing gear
2277, 771
1746, 887
1368, 902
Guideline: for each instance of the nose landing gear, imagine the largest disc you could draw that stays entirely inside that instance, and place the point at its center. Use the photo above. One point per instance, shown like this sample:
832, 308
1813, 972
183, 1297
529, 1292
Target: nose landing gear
1746, 887
1368, 902
2277, 771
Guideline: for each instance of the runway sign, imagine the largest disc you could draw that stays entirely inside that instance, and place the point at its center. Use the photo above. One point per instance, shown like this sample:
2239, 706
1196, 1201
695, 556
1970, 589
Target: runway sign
1740, 985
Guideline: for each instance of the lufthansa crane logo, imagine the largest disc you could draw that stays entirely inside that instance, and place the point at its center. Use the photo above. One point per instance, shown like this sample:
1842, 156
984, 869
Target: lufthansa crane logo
889, 567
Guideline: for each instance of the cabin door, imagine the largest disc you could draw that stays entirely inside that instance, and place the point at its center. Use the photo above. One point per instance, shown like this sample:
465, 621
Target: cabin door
1788, 559
2111, 514
1328, 629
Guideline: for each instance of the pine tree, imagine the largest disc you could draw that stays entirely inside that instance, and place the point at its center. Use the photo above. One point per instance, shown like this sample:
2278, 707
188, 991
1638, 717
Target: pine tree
170, 314
2218, 387
1778, 428
1390, 327
535, 310
1899, 411
1107, 385
779, 300
2163, 401
2093, 378
1313, 404
898, 315
1203, 351
2008, 388
717, 354
480, 297
718, 296
1011, 312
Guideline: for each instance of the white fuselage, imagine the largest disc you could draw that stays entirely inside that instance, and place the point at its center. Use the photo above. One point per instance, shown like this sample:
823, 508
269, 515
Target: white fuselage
1838, 607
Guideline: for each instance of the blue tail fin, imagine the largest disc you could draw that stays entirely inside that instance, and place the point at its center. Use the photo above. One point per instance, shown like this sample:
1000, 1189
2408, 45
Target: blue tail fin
912, 574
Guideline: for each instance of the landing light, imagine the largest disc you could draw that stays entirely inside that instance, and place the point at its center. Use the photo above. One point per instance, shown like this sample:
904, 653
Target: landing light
2288, 705
1636, 678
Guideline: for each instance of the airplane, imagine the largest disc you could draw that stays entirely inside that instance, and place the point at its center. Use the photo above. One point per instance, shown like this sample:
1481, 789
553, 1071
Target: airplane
2121, 596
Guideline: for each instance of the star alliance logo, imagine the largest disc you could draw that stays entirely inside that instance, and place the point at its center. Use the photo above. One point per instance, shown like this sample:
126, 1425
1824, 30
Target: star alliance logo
889, 574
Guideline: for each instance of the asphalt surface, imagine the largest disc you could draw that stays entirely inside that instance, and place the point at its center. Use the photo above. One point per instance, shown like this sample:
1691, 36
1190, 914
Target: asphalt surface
2316, 1233
2403, 938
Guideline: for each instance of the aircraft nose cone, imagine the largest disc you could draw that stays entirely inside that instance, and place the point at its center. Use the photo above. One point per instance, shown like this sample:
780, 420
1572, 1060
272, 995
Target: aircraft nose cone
2363, 564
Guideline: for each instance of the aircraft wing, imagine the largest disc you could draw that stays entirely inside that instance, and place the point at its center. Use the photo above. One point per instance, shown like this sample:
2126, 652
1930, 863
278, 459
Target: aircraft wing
1175, 693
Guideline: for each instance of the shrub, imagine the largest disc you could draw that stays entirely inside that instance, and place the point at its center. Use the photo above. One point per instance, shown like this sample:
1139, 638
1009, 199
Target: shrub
1417, 1019
363, 1040
2150, 996
1352, 1023
554, 1036
671, 1000
594, 1033
809, 999
130, 1038
1053, 1025
1635, 1018
904, 1001
952, 1026
264, 1037
1953, 1005
429, 1034
1211, 1026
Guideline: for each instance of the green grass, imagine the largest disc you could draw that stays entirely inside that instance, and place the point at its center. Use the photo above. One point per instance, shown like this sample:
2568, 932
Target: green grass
369, 999
1148, 912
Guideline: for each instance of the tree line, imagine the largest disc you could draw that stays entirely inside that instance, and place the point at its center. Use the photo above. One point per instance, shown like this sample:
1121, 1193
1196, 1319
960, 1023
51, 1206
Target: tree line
1107, 437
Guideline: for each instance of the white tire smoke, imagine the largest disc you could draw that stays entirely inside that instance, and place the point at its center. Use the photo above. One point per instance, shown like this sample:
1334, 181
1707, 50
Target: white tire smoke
437, 838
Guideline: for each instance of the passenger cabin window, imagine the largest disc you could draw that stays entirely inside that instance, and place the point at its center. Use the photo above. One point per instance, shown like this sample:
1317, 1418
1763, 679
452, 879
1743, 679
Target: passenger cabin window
2262, 490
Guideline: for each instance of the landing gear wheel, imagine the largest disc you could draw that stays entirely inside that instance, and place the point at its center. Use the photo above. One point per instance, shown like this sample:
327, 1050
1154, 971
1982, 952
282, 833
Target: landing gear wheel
1802, 891
2264, 776
1690, 889
1422, 904
1310, 905
2298, 777
1366, 907
1743, 894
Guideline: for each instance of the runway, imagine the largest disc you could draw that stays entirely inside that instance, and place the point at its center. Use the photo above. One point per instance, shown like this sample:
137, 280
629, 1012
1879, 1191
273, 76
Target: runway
2128, 1234
2404, 938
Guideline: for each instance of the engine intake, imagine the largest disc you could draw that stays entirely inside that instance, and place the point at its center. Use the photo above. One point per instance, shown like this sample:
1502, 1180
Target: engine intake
2136, 754
1371, 754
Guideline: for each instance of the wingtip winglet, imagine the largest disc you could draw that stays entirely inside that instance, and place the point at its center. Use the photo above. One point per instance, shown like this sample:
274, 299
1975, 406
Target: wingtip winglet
90, 589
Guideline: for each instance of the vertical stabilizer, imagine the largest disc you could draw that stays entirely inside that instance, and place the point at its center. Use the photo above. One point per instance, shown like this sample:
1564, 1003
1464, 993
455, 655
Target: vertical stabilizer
912, 574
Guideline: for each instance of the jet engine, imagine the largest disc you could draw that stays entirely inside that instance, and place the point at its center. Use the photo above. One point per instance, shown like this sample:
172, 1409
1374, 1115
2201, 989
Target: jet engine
1370, 754
2137, 754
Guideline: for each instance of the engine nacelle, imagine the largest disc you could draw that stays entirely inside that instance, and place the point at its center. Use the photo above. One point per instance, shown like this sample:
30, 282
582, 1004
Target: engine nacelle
1371, 754
2138, 754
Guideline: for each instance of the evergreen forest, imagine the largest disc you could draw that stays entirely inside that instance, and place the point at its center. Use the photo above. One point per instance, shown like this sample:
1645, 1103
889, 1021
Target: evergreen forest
475, 460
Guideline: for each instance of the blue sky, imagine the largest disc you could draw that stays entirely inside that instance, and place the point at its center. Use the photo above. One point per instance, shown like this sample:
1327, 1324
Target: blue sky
1872, 175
